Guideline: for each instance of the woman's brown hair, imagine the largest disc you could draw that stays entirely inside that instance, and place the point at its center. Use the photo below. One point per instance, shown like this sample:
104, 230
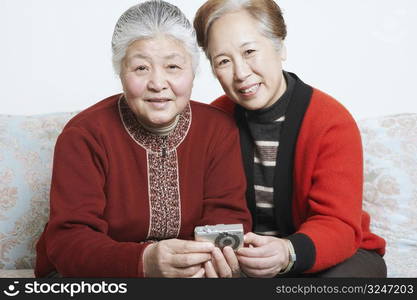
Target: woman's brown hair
266, 12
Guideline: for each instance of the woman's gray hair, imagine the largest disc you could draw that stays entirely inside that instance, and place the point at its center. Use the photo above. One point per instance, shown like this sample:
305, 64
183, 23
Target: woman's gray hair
147, 20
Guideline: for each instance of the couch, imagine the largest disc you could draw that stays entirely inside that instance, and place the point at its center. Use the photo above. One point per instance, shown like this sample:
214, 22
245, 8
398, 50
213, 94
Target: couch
26, 151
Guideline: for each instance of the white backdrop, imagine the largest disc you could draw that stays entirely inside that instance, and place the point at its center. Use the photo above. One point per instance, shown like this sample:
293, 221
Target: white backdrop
55, 54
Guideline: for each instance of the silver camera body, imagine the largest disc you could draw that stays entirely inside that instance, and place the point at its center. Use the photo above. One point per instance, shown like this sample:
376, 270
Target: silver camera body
221, 235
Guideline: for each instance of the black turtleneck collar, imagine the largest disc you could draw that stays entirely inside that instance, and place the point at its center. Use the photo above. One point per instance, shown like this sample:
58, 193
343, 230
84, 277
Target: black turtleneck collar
276, 110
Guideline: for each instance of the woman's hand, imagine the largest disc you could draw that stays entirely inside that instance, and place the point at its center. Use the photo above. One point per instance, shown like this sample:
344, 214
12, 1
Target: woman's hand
223, 264
176, 258
265, 257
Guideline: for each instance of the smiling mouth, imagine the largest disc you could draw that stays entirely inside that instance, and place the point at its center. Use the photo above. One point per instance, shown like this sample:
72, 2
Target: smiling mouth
250, 90
157, 100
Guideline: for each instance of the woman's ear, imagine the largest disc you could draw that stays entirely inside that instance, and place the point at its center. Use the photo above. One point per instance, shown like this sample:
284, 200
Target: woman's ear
283, 52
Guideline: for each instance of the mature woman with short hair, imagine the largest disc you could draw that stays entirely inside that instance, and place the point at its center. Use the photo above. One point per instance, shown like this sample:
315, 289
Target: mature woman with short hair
136, 172
301, 149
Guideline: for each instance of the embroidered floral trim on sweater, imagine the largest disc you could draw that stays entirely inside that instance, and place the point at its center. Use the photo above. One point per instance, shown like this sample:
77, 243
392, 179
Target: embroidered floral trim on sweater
163, 181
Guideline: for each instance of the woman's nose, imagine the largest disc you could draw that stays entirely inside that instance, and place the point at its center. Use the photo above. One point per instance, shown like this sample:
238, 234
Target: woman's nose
241, 70
157, 81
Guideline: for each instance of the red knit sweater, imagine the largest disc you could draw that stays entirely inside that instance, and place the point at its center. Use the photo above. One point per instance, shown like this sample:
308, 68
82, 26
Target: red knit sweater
327, 183
114, 188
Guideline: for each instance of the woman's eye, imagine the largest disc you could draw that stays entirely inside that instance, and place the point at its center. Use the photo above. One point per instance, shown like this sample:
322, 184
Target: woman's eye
223, 62
173, 67
250, 51
140, 68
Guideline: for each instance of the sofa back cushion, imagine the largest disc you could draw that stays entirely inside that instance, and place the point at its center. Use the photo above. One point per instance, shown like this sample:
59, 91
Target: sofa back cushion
26, 151
390, 187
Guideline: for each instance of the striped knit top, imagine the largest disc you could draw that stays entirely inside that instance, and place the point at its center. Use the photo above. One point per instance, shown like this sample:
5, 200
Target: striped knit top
265, 126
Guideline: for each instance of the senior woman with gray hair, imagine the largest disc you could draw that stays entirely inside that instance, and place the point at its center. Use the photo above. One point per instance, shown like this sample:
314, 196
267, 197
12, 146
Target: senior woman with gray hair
135, 173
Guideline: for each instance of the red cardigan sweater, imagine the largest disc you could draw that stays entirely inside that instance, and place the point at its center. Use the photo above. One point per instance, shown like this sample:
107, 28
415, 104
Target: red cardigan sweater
115, 187
323, 216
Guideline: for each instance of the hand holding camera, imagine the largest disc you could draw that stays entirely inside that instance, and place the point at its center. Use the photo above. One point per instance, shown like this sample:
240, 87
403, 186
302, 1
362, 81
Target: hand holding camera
176, 258
227, 239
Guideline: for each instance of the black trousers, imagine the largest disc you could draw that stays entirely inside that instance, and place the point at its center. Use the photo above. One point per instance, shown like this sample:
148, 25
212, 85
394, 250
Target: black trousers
362, 264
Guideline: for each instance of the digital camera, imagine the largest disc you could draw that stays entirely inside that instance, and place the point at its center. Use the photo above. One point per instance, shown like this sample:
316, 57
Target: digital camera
221, 235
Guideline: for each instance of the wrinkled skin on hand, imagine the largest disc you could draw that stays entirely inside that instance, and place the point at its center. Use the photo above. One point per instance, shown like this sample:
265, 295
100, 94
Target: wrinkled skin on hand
176, 258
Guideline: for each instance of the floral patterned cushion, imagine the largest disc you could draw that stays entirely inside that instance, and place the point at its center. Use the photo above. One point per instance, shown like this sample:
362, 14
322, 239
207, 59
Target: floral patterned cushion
390, 189
26, 151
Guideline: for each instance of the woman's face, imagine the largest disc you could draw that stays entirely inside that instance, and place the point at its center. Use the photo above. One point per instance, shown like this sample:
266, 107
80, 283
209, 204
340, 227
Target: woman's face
245, 62
157, 79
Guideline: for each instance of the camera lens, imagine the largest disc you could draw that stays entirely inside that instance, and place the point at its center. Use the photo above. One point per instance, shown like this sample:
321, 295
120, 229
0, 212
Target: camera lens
227, 242
226, 239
